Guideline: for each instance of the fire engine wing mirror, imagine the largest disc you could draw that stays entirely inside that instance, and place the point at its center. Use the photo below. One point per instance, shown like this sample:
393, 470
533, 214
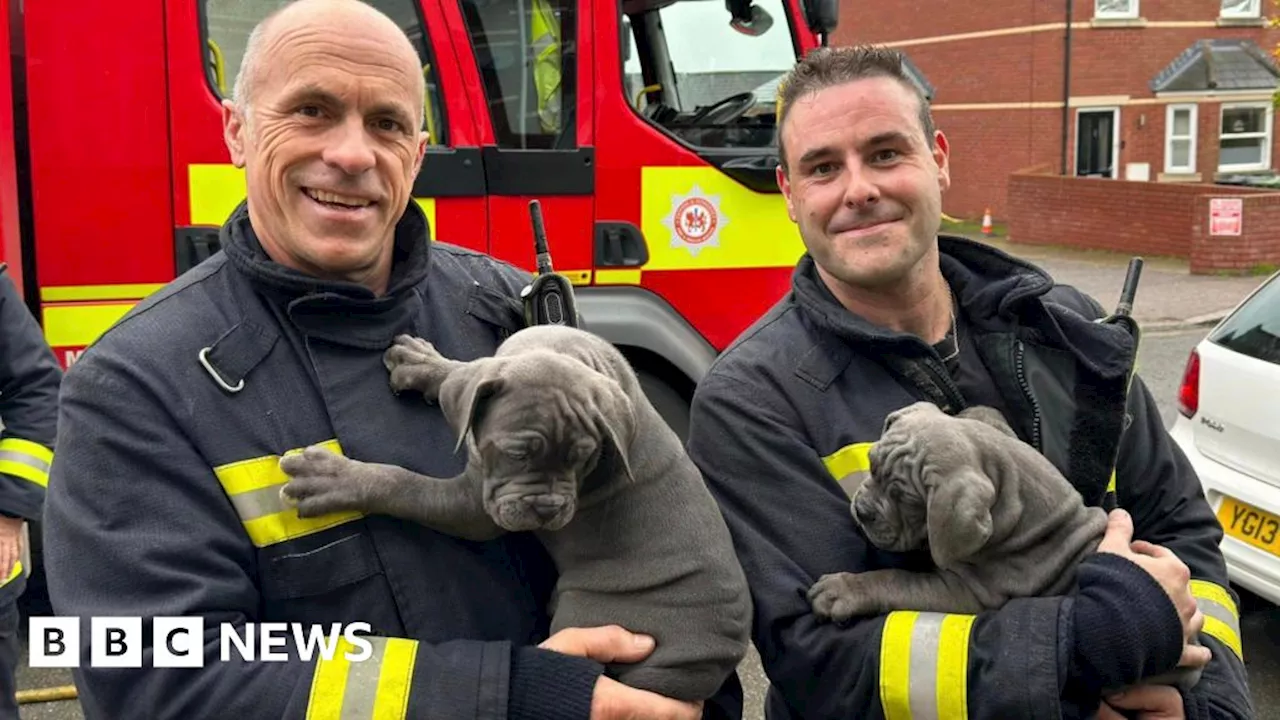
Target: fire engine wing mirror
748, 19
822, 16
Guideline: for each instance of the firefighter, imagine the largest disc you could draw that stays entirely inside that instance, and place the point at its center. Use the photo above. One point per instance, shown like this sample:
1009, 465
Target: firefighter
29, 380
165, 494
884, 312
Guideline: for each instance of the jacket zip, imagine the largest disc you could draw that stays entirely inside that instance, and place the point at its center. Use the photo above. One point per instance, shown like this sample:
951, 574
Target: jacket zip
1020, 366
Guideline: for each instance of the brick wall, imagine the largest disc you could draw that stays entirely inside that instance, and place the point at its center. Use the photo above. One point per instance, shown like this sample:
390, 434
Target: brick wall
985, 85
1169, 219
1257, 245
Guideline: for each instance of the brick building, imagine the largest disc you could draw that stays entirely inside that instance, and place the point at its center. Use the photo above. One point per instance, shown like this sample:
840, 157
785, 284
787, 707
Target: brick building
1155, 90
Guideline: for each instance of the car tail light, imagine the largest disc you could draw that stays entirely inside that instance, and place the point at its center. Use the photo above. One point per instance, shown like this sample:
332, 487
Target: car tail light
1189, 393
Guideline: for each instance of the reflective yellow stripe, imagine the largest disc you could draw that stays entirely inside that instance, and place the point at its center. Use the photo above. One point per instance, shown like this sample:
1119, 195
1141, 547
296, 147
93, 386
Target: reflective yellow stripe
81, 325
25, 459
66, 293
375, 688
1221, 616
618, 277
895, 665
849, 465
924, 666
254, 489
577, 277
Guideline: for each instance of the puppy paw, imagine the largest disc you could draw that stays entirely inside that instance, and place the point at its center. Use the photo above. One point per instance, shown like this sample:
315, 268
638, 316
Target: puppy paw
414, 364
835, 597
320, 483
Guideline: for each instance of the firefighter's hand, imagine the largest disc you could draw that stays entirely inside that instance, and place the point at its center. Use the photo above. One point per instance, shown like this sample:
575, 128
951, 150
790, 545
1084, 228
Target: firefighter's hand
10, 544
1172, 574
613, 700
1145, 702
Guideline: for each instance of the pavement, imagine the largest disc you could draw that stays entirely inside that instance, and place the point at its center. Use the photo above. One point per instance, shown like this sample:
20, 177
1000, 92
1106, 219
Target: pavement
1169, 297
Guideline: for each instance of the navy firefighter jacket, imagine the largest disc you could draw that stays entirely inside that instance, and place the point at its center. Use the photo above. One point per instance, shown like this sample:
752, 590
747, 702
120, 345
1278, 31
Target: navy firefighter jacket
164, 497
782, 426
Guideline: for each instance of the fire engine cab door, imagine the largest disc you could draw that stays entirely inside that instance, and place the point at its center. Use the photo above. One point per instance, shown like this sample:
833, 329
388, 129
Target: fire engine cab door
528, 66
207, 41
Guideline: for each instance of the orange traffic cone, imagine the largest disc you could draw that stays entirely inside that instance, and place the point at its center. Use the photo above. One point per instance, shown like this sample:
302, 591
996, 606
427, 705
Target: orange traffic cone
986, 222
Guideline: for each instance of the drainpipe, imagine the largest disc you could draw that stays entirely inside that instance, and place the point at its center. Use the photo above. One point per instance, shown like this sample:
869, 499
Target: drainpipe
1066, 86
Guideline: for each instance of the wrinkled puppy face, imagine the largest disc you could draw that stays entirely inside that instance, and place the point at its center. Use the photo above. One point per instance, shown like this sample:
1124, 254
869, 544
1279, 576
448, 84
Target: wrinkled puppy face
539, 425
891, 506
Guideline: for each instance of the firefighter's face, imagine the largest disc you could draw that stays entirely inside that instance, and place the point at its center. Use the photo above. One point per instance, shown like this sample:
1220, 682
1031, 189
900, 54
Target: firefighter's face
331, 143
863, 183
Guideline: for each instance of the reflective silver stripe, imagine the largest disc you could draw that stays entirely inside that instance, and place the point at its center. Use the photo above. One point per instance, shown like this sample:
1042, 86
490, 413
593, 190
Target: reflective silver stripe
258, 503
25, 459
362, 684
924, 661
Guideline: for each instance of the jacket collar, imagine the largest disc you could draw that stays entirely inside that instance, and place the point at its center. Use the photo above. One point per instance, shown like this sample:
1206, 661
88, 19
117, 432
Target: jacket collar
997, 293
313, 303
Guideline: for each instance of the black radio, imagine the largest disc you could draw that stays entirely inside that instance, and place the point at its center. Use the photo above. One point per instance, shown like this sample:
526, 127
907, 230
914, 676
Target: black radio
548, 299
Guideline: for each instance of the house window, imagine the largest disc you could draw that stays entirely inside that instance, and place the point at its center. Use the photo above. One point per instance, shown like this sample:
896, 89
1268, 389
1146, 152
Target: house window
1180, 139
1244, 141
1241, 8
1116, 8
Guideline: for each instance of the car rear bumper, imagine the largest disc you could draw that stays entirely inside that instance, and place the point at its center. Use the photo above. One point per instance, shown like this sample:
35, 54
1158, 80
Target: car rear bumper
1250, 567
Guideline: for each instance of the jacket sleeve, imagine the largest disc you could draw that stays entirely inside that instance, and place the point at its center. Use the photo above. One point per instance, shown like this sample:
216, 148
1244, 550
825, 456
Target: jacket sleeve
791, 524
136, 526
29, 381
1155, 482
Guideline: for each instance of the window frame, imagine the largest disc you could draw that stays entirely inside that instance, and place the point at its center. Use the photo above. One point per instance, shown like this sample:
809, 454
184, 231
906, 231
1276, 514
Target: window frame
504, 136
1130, 14
1194, 127
1254, 13
1266, 135
439, 139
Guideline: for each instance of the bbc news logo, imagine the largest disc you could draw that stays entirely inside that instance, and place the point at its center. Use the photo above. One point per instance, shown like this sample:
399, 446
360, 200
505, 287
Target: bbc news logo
179, 642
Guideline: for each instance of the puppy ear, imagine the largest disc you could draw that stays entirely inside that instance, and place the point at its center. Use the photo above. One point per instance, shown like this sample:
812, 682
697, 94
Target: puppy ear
915, 407
959, 515
464, 392
617, 419
990, 416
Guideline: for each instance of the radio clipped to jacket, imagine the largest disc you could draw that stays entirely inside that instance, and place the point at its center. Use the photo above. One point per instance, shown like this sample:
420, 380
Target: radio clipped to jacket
548, 299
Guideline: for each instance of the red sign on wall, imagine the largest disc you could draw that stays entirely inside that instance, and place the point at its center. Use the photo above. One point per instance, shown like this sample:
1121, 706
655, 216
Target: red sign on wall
1226, 216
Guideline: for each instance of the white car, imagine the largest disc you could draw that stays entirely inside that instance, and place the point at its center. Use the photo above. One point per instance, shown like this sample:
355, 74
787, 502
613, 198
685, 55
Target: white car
1228, 425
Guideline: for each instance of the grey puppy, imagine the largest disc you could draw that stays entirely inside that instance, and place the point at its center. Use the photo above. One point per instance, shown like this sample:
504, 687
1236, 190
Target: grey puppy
563, 443
1000, 521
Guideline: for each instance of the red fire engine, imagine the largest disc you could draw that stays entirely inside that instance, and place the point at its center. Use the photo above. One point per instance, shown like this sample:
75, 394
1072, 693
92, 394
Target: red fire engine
645, 128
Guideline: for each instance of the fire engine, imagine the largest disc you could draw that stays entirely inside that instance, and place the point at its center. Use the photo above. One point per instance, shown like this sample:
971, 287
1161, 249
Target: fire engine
644, 128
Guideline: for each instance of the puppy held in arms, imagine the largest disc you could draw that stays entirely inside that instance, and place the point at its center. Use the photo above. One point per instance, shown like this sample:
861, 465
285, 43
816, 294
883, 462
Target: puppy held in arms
563, 443
999, 520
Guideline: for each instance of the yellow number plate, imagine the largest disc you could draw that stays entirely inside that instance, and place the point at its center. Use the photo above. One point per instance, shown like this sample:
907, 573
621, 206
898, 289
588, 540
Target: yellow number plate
1251, 525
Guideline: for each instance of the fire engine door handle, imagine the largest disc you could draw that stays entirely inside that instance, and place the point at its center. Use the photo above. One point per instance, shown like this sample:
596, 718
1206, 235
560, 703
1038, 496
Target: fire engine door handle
194, 245
620, 244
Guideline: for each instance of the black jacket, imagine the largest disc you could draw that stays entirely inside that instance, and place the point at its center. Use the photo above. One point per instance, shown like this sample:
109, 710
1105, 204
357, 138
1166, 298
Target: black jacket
29, 380
164, 498
789, 411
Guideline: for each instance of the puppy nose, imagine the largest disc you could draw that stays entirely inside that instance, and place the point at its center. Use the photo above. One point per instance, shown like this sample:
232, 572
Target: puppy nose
546, 507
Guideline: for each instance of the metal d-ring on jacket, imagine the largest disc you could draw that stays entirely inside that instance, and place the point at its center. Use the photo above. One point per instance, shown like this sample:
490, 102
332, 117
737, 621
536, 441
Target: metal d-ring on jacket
781, 427
164, 499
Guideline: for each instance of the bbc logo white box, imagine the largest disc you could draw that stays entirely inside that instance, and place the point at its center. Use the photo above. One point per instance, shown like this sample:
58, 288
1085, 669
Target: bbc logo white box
178, 642
54, 642
116, 642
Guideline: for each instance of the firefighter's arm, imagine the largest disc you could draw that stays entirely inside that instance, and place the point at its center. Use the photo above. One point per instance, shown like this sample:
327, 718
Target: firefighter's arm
136, 526
29, 381
1157, 485
791, 524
